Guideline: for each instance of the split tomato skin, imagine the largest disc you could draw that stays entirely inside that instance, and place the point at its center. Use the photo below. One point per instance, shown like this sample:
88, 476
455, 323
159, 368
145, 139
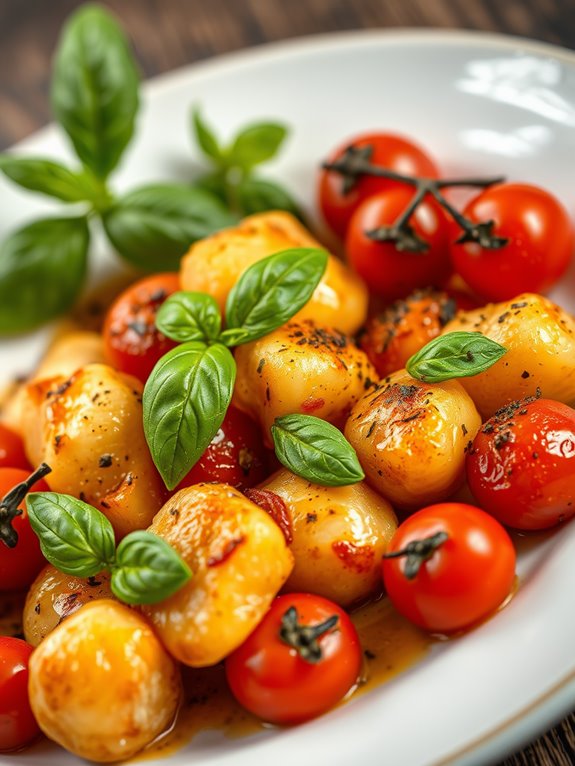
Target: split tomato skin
465, 579
18, 726
132, 342
271, 680
236, 455
389, 272
521, 468
20, 565
540, 245
390, 151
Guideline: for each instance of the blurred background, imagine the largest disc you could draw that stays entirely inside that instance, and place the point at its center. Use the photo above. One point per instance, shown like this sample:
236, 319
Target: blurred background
171, 33
167, 34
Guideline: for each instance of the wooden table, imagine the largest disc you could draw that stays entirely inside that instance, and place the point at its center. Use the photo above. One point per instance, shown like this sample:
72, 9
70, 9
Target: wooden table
170, 33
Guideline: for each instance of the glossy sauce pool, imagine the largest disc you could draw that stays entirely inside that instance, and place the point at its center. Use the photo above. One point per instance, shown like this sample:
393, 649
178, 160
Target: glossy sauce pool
390, 644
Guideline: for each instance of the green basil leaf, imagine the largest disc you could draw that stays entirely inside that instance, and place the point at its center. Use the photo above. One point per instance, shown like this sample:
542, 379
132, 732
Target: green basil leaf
95, 88
42, 268
154, 226
147, 569
271, 291
206, 138
215, 184
186, 316
185, 400
256, 144
50, 178
74, 537
255, 195
315, 450
454, 355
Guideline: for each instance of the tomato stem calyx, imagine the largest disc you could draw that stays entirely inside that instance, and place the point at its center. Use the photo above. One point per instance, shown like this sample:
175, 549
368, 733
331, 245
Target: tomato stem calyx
417, 552
355, 162
304, 638
10, 502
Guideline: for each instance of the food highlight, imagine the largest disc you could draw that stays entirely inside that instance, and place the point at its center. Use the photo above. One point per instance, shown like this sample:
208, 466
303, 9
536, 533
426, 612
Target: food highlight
254, 447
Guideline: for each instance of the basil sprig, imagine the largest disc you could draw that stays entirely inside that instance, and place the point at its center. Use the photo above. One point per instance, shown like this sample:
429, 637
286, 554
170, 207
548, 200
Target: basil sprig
315, 450
232, 177
79, 540
454, 355
95, 99
189, 390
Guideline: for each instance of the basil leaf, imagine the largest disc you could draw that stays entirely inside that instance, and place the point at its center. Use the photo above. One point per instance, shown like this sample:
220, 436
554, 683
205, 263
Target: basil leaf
74, 537
154, 226
255, 195
95, 88
454, 355
185, 400
42, 268
186, 316
256, 144
206, 138
147, 569
315, 450
50, 178
271, 291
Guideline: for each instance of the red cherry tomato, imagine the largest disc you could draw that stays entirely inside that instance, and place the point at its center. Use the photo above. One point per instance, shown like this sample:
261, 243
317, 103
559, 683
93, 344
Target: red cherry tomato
271, 678
521, 468
463, 579
12, 453
18, 726
389, 272
235, 456
388, 151
20, 565
540, 242
132, 342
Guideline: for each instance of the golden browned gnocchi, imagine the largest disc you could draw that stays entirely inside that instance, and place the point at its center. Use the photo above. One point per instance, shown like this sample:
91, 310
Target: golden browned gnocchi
88, 428
239, 559
53, 596
339, 535
102, 685
301, 367
411, 438
214, 265
540, 341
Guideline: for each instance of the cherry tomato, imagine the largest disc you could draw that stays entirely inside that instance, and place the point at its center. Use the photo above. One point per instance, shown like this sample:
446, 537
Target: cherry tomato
521, 468
389, 272
388, 151
236, 455
539, 247
18, 726
20, 565
132, 342
12, 453
283, 674
464, 572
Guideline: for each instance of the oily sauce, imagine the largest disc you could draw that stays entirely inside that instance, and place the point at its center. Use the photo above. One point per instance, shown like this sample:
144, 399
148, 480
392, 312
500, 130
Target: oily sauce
390, 644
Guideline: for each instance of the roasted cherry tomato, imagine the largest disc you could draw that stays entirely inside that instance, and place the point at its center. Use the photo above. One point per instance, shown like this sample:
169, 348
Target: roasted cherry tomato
391, 272
300, 661
540, 242
236, 455
521, 468
18, 726
449, 566
12, 453
387, 151
404, 327
20, 565
132, 342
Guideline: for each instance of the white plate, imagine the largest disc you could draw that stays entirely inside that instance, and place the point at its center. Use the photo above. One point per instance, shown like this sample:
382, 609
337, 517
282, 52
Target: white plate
481, 104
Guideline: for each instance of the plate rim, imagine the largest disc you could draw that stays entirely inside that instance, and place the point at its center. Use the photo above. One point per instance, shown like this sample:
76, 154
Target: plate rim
558, 701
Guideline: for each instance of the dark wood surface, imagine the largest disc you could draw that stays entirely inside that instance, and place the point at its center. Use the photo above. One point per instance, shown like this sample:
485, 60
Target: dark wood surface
170, 33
